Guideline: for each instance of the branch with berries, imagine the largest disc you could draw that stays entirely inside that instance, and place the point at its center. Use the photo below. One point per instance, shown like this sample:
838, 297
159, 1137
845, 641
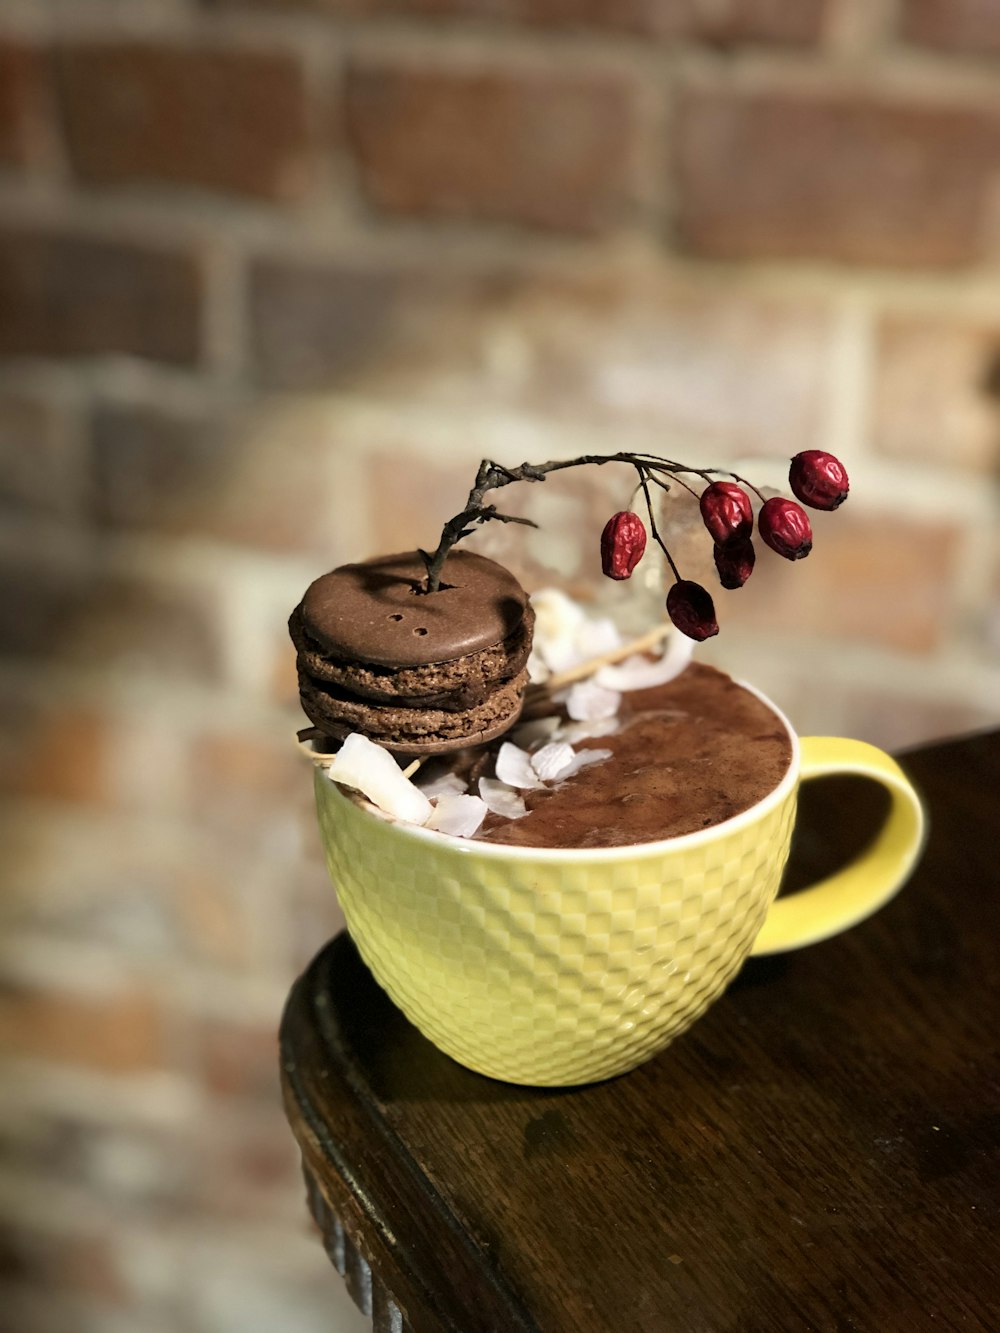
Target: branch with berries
816, 478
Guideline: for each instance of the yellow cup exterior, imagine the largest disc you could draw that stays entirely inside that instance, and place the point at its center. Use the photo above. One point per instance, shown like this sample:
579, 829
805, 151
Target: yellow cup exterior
558, 967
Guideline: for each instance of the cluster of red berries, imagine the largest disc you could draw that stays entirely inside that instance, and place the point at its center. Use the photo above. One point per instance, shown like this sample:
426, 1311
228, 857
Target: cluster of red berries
817, 478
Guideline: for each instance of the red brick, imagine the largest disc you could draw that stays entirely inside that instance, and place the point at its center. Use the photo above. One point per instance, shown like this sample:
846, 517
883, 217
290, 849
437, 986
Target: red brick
62, 1260
153, 469
723, 22
937, 392
874, 578
237, 1060
214, 925
240, 781
313, 911
729, 22
63, 295
319, 325
723, 370
781, 175
149, 888
41, 458
22, 102
255, 478
61, 756
953, 25
550, 150
410, 498
120, 1032
283, 681
312, 325
732, 370
98, 619
222, 120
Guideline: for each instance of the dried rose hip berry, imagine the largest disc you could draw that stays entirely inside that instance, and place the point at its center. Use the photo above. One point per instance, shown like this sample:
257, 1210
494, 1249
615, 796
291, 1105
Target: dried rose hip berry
691, 609
727, 512
622, 544
785, 527
735, 562
818, 479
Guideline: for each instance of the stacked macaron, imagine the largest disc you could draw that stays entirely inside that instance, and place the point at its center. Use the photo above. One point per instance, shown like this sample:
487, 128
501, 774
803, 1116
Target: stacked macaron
416, 672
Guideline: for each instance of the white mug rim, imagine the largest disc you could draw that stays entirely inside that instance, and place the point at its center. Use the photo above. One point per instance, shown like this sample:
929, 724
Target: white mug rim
625, 851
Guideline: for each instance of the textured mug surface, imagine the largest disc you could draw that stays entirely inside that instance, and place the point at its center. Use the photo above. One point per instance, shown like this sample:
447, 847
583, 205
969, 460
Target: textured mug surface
555, 967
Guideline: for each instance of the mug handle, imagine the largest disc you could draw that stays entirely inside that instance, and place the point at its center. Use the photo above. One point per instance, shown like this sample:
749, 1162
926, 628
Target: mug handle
847, 897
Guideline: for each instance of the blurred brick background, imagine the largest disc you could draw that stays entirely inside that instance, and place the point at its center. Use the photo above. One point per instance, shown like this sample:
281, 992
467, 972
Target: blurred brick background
274, 275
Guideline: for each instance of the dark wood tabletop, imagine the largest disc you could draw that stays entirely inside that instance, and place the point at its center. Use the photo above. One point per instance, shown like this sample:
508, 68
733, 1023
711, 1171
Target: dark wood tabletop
819, 1152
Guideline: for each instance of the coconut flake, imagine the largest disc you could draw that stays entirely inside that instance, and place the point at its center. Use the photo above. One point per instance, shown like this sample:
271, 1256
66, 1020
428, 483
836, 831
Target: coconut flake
536, 732
553, 761
641, 673
366, 767
557, 619
538, 672
501, 799
442, 784
458, 815
583, 758
513, 766
586, 701
585, 731
594, 638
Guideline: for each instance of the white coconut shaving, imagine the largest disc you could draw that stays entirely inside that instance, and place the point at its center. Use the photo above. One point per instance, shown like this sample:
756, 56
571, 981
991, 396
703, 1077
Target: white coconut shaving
594, 638
583, 758
564, 636
536, 732
586, 701
587, 731
501, 799
513, 766
367, 768
440, 784
557, 618
553, 761
639, 673
538, 672
459, 814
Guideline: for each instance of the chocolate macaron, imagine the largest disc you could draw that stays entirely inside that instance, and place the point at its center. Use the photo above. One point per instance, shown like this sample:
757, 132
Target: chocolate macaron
416, 672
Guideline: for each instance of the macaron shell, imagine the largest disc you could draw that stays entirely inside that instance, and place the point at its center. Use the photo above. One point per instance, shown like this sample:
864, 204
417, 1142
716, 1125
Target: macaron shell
452, 685
414, 730
374, 611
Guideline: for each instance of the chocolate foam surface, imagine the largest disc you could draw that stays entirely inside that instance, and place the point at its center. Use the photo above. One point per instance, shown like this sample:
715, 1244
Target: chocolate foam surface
689, 754
373, 612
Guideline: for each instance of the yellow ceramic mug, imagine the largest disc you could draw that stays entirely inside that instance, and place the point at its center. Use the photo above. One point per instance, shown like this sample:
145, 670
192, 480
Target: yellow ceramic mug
556, 967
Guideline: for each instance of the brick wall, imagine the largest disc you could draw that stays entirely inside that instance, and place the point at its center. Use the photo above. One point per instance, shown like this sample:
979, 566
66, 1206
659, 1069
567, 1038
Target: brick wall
274, 275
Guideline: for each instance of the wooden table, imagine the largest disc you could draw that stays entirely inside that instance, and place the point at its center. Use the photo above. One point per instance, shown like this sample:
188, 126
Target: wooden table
819, 1152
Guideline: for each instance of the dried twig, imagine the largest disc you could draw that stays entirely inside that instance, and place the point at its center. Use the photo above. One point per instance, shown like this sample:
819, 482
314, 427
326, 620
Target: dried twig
491, 476
303, 740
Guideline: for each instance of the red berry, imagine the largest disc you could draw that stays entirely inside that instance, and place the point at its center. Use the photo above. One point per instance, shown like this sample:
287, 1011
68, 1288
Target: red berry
735, 562
622, 544
818, 479
784, 525
690, 608
727, 512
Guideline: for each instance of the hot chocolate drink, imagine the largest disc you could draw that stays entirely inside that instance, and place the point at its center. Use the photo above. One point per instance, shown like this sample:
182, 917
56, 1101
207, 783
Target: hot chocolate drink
684, 756
552, 848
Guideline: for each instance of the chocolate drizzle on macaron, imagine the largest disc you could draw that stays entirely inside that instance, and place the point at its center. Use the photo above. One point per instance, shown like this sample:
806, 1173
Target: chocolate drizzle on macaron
416, 672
